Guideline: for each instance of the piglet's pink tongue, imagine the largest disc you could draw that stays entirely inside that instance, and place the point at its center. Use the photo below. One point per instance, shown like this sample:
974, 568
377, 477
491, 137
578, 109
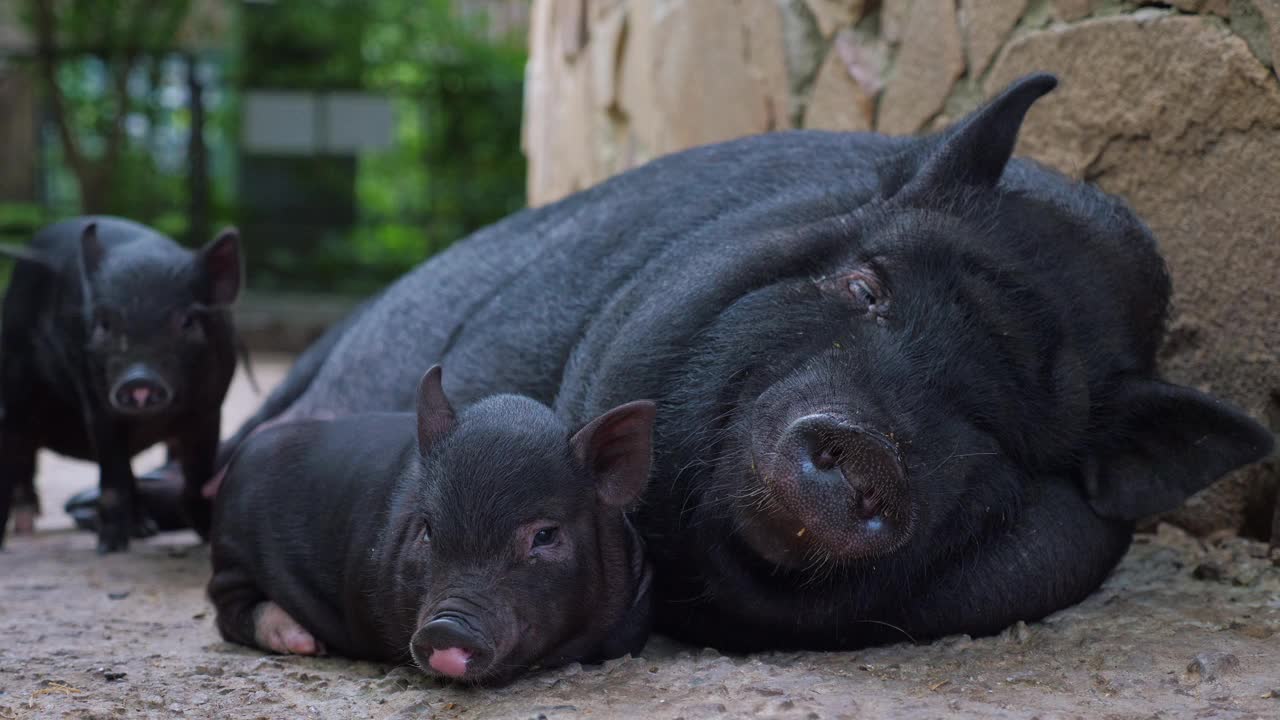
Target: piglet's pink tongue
450, 661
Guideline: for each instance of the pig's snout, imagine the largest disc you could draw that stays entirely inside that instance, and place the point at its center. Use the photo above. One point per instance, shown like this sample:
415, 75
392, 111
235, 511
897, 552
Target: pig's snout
843, 485
140, 391
449, 645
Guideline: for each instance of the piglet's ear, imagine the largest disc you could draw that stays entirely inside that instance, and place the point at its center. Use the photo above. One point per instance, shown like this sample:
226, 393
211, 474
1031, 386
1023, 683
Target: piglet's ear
222, 266
91, 250
617, 448
1167, 443
91, 254
974, 151
435, 414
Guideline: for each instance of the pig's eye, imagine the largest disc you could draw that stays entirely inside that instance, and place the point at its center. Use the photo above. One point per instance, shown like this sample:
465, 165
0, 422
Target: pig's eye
426, 533
546, 536
188, 321
862, 291
101, 325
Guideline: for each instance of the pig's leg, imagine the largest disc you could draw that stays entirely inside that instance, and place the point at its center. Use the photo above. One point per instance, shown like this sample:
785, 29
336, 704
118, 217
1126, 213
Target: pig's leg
118, 488
275, 630
17, 478
26, 504
247, 617
198, 453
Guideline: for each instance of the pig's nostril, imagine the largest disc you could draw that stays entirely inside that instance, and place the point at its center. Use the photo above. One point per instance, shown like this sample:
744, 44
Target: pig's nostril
448, 632
823, 458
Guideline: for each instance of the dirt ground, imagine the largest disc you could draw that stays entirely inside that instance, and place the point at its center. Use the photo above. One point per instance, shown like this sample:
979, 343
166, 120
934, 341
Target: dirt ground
1183, 629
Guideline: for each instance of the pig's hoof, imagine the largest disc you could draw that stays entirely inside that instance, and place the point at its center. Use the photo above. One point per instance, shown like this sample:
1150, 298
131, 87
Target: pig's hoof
143, 526
24, 521
112, 544
273, 629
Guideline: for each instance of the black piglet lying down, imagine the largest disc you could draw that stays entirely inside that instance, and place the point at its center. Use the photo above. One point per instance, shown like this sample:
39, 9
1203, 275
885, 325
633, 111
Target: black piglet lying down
481, 545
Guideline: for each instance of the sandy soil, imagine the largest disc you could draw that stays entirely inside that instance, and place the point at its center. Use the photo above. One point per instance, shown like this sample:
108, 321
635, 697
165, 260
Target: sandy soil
1184, 628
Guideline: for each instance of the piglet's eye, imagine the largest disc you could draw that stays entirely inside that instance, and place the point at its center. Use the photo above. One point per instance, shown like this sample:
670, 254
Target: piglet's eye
426, 533
546, 536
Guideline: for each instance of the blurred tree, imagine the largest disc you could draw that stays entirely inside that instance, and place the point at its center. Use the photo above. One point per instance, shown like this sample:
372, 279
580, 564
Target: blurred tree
455, 165
119, 34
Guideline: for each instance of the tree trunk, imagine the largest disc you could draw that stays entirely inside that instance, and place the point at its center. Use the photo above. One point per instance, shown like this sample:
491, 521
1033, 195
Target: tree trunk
197, 158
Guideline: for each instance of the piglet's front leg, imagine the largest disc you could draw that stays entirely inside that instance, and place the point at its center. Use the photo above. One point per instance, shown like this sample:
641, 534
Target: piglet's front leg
116, 502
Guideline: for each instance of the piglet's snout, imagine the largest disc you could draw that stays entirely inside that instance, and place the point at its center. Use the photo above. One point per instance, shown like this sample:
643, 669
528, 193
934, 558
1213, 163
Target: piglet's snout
139, 391
449, 645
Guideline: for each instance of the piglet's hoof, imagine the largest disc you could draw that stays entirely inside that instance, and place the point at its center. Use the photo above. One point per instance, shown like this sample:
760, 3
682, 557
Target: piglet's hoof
274, 630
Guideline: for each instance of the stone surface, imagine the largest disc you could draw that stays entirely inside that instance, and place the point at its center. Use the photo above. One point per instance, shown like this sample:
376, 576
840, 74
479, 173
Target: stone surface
1176, 115
844, 93
644, 79
986, 24
1072, 10
1122, 653
929, 61
835, 15
1258, 22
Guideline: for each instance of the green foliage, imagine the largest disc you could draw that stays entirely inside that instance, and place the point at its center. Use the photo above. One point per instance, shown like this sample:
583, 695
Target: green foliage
455, 164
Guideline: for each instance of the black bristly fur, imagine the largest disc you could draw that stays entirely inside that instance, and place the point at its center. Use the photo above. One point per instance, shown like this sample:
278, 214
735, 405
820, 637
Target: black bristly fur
58, 371
363, 531
1006, 371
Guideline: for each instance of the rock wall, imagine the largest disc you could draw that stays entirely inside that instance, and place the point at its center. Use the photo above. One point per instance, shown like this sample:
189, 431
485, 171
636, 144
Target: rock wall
1175, 106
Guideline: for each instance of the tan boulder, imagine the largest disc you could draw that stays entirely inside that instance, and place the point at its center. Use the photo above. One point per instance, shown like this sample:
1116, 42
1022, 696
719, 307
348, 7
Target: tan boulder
1176, 115
844, 93
835, 15
930, 60
987, 23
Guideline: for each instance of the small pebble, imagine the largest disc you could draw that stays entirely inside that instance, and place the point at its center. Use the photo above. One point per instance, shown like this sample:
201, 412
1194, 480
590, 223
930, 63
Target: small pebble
1212, 666
1209, 572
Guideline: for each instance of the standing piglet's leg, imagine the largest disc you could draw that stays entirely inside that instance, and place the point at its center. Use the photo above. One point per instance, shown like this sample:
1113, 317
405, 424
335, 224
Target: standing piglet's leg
116, 503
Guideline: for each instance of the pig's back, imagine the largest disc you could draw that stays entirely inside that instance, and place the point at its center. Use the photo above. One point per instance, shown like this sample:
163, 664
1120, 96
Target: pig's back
505, 308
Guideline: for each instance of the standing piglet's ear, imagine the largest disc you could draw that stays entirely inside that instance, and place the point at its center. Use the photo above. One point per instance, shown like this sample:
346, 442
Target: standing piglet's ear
222, 267
617, 448
91, 254
1166, 443
435, 415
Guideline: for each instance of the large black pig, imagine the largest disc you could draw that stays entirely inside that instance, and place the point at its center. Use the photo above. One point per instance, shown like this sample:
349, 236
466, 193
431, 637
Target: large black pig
115, 338
479, 542
908, 385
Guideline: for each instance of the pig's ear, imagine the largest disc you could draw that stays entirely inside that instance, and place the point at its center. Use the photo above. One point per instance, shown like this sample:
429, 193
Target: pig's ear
973, 152
1166, 443
222, 266
435, 414
617, 448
